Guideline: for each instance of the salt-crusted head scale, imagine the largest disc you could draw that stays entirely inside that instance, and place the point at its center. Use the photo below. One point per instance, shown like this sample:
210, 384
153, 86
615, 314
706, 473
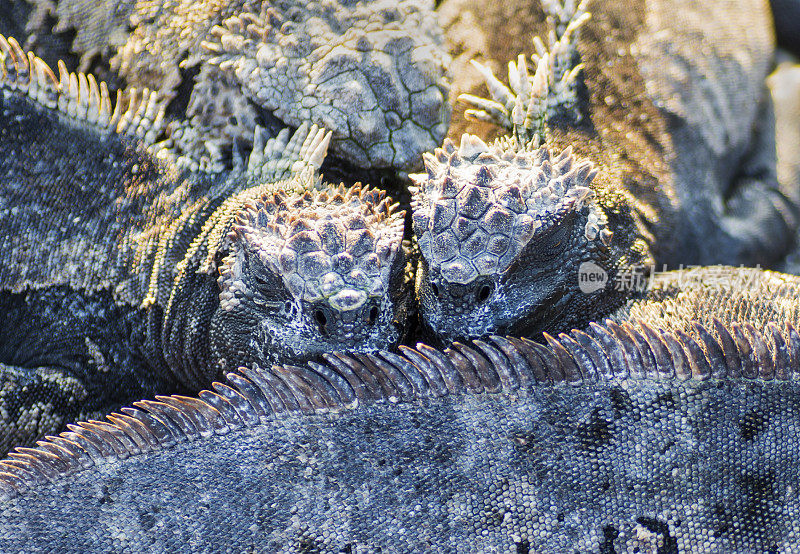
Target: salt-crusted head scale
479, 205
335, 245
506, 230
309, 267
349, 66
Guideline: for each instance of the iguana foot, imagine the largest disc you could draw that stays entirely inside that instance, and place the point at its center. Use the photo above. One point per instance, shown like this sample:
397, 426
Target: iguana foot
524, 107
759, 217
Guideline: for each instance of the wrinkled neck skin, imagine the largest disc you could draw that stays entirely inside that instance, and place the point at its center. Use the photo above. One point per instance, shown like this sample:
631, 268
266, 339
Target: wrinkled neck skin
180, 336
183, 291
179, 322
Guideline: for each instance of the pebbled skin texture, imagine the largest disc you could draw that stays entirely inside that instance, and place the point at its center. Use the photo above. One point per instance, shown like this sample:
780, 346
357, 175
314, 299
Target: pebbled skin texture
123, 275
745, 424
658, 466
372, 71
675, 118
674, 463
679, 299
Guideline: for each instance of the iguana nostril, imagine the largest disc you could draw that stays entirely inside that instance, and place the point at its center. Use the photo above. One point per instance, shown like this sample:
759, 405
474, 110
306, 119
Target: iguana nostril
372, 317
484, 292
322, 321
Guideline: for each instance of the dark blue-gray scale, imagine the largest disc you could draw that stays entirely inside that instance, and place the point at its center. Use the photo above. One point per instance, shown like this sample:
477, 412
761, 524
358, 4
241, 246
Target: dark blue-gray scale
570, 450
646, 463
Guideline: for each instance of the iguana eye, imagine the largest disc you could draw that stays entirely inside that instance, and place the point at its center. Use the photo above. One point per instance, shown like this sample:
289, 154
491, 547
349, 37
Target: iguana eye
219, 255
551, 244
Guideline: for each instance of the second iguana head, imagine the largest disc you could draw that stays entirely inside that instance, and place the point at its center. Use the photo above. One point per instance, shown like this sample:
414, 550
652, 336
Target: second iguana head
505, 234
371, 71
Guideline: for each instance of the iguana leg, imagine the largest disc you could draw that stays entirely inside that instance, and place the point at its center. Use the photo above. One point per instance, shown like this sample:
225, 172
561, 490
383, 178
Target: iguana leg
35, 402
763, 207
752, 217
785, 84
40, 401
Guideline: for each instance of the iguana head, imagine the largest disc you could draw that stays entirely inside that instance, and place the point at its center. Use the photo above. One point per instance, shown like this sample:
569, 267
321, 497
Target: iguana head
371, 71
309, 271
503, 232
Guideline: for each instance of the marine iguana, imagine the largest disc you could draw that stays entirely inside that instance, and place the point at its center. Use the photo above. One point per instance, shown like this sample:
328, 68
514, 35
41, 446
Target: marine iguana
656, 146
371, 71
123, 276
673, 428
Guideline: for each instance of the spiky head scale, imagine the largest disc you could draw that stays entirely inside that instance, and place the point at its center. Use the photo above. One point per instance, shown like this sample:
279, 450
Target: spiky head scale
336, 244
479, 205
308, 270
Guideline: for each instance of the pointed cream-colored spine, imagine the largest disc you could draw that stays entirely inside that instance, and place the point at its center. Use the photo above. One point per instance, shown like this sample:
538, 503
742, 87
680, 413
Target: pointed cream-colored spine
305, 148
524, 106
79, 96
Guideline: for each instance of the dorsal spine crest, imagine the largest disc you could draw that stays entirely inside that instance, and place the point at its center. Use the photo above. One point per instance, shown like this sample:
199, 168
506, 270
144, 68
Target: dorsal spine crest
80, 96
498, 365
524, 107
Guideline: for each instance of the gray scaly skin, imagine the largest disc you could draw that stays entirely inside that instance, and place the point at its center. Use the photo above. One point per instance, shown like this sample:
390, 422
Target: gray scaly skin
673, 428
371, 71
123, 276
642, 135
